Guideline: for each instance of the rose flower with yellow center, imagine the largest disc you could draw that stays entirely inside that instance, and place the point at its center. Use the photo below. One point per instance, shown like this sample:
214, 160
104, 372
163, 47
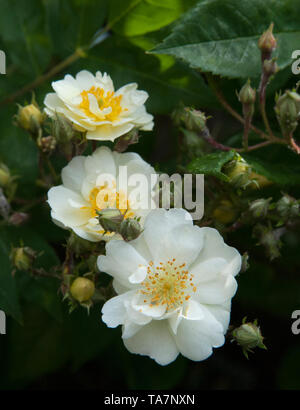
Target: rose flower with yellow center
91, 103
93, 183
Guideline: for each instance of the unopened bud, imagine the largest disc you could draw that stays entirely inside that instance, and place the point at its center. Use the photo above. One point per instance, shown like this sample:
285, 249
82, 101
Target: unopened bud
82, 289
259, 208
270, 67
267, 42
248, 336
288, 207
47, 144
192, 119
224, 212
62, 129
5, 176
130, 229
30, 118
247, 94
238, 172
287, 109
110, 219
22, 258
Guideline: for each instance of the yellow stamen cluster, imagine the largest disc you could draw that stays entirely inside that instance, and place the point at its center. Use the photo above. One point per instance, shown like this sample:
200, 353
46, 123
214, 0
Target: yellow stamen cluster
167, 284
105, 100
102, 197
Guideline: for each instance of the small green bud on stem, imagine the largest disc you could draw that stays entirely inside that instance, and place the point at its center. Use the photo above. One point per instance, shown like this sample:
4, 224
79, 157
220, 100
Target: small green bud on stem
287, 110
130, 229
30, 118
193, 120
247, 96
238, 172
82, 289
110, 219
267, 43
23, 257
248, 336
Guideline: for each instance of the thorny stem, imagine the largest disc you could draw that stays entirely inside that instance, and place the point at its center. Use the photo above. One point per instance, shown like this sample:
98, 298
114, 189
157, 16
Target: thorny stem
206, 135
262, 100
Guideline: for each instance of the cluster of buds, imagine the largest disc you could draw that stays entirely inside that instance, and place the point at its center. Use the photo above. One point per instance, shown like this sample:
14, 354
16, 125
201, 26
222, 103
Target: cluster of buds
112, 220
47, 144
287, 110
248, 336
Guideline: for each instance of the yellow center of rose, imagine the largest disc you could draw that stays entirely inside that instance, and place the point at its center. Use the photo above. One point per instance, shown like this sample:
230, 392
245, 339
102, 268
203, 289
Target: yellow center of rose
167, 284
105, 100
104, 197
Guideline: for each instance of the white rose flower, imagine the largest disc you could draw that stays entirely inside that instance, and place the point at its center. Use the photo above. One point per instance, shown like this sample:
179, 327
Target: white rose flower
91, 104
174, 284
93, 183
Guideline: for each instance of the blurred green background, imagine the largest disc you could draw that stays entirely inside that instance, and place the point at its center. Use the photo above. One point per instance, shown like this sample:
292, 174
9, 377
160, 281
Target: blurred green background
46, 347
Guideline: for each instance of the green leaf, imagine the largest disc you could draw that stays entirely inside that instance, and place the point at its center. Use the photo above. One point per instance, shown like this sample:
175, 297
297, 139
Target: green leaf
19, 152
73, 23
34, 349
42, 291
136, 17
211, 164
22, 36
221, 37
88, 336
166, 82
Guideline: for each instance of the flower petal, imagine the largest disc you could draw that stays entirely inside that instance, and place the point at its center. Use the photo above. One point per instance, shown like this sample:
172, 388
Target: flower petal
216, 291
73, 174
64, 210
196, 338
107, 132
214, 246
154, 340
